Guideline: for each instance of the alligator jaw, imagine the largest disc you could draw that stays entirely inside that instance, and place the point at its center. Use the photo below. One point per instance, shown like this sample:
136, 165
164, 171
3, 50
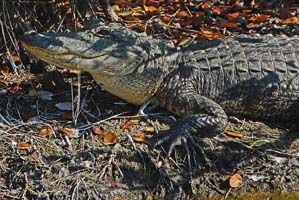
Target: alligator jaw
95, 51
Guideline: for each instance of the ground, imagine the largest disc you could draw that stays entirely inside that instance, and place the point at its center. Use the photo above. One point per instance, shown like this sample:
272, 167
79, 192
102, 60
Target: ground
83, 165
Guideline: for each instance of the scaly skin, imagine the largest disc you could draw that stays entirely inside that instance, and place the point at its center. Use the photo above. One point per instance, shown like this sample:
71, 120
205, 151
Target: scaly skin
256, 77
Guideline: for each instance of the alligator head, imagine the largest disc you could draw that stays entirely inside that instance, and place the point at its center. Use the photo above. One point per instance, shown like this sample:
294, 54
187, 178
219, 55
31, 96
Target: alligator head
106, 49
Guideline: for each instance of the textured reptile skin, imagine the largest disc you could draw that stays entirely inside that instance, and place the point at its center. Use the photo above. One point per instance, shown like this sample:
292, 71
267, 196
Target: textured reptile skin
256, 77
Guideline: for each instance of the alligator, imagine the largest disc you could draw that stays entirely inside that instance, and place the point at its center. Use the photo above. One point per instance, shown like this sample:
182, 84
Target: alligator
202, 83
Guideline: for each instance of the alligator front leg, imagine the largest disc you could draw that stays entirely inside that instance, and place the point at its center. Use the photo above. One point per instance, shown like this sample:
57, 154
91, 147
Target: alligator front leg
202, 117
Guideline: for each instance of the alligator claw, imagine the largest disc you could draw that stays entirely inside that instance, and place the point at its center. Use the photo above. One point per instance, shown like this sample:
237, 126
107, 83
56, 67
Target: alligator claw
172, 139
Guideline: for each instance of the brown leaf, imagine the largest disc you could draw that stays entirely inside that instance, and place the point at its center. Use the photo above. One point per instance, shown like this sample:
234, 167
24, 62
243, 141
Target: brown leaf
69, 132
110, 138
233, 134
218, 10
233, 16
290, 20
141, 138
151, 9
129, 123
98, 130
25, 145
227, 25
235, 180
259, 18
205, 5
15, 89
4, 70
149, 129
252, 25
46, 132
183, 14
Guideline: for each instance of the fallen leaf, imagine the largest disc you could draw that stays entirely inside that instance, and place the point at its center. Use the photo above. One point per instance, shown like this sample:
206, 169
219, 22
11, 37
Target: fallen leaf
218, 10
259, 18
235, 180
205, 5
69, 132
98, 130
150, 129
4, 70
183, 14
25, 145
15, 89
233, 16
227, 25
140, 138
151, 9
129, 123
233, 134
290, 20
110, 138
252, 25
259, 143
46, 132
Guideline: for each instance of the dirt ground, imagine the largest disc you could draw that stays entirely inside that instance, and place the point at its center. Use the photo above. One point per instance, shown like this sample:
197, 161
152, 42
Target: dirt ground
82, 165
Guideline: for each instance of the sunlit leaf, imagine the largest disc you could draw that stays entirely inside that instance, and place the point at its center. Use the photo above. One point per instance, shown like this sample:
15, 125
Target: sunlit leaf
98, 130
291, 20
233, 134
110, 138
69, 132
233, 16
140, 138
46, 132
259, 18
24, 145
235, 180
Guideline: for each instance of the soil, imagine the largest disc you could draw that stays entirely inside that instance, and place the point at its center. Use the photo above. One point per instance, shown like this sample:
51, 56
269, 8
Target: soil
81, 166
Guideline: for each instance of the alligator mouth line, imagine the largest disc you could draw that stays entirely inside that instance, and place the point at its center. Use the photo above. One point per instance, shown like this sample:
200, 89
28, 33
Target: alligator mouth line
73, 53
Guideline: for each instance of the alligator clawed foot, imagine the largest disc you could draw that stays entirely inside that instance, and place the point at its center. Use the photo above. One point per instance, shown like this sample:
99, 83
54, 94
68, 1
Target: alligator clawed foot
171, 139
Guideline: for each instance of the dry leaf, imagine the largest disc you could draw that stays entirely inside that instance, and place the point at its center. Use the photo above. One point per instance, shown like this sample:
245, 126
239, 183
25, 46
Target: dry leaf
15, 89
233, 134
141, 138
233, 16
46, 132
110, 138
252, 25
127, 124
290, 20
24, 145
218, 10
69, 132
235, 180
227, 25
259, 18
151, 9
98, 130
183, 14
4, 70
149, 129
